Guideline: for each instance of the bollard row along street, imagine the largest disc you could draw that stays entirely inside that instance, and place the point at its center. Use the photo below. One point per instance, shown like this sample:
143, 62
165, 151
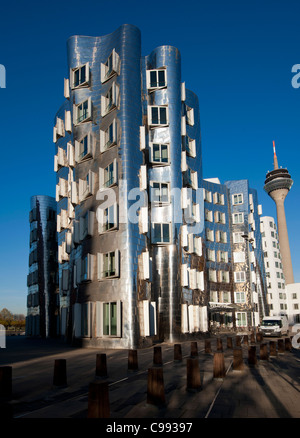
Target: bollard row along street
219, 377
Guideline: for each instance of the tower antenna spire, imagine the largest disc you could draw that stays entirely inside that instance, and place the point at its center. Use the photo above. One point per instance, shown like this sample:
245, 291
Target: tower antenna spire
275, 157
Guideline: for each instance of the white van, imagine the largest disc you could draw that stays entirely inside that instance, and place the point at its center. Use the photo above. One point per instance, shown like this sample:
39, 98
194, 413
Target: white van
274, 326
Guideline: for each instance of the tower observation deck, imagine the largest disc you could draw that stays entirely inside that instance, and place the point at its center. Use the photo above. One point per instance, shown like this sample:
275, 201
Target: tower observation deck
277, 184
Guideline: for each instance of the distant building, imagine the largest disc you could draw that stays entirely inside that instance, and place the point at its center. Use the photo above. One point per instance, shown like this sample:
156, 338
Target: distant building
277, 297
42, 300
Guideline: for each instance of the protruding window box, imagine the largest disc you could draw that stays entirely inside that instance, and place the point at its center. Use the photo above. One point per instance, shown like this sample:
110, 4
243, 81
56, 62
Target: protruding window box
108, 265
111, 67
82, 112
80, 76
84, 148
110, 101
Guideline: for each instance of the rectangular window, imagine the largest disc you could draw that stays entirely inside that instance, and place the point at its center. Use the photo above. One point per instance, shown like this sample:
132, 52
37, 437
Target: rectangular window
108, 265
156, 78
159, 192
190, 179
224, 276
189, 145
111, 100
83, 148
83, 112
158, 115
159, 153
207, 196
221, 236
80, 76
239, 277
218, 198
161, 233
108, 138
239, 297
110, 67
219, 217
237, 238
86, 186
223, 256
107, 218
241, 319
238, 218
208, 215
237, 199
109, 175
209, 235
211, 256
109, 319
212, 275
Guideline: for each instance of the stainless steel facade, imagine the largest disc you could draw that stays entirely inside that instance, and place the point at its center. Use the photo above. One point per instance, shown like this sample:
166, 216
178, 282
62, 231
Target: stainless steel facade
142, 297
42, 299
247, 240
137, 261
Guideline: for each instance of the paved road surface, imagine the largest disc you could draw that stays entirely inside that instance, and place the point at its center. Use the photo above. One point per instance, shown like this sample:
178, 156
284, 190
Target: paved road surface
269, 389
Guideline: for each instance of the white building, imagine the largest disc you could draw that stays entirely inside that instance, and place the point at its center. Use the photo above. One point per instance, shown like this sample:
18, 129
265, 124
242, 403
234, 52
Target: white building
282, 298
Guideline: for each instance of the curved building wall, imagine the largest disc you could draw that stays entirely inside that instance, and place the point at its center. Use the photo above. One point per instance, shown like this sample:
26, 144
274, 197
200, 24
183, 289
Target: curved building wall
42, 298
121, 284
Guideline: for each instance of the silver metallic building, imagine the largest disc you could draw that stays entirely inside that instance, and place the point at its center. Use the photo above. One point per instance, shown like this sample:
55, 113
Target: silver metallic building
137, 262
42, 300
128, 163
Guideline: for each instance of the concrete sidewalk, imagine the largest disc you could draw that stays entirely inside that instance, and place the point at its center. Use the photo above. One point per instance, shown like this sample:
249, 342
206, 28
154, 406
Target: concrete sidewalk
269, 389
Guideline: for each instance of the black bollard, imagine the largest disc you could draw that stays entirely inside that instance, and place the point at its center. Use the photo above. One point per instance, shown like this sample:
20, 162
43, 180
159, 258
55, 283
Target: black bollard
193, 375
273, 349
207, 347
238, 363
263, 355
98, 400
60, 372
219, 365
194, 349
155, 386
177, 352
101, 366
157, 356
252, 359
5, 382
132, 360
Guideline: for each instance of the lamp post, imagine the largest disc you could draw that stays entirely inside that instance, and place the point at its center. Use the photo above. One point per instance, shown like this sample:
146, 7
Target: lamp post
248, 241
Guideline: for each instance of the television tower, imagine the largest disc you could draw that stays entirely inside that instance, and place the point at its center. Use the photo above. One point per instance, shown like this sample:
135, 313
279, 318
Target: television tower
277, 184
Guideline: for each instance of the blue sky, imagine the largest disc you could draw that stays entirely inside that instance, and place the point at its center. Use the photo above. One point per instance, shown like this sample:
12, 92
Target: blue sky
237, 56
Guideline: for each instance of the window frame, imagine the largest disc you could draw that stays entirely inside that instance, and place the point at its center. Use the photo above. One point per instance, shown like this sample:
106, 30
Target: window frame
152, 190
239, 213
150, 115
113, 273
238, 274
84, 83
159, 163
237, 195
157, 86
88, 115
161, 224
